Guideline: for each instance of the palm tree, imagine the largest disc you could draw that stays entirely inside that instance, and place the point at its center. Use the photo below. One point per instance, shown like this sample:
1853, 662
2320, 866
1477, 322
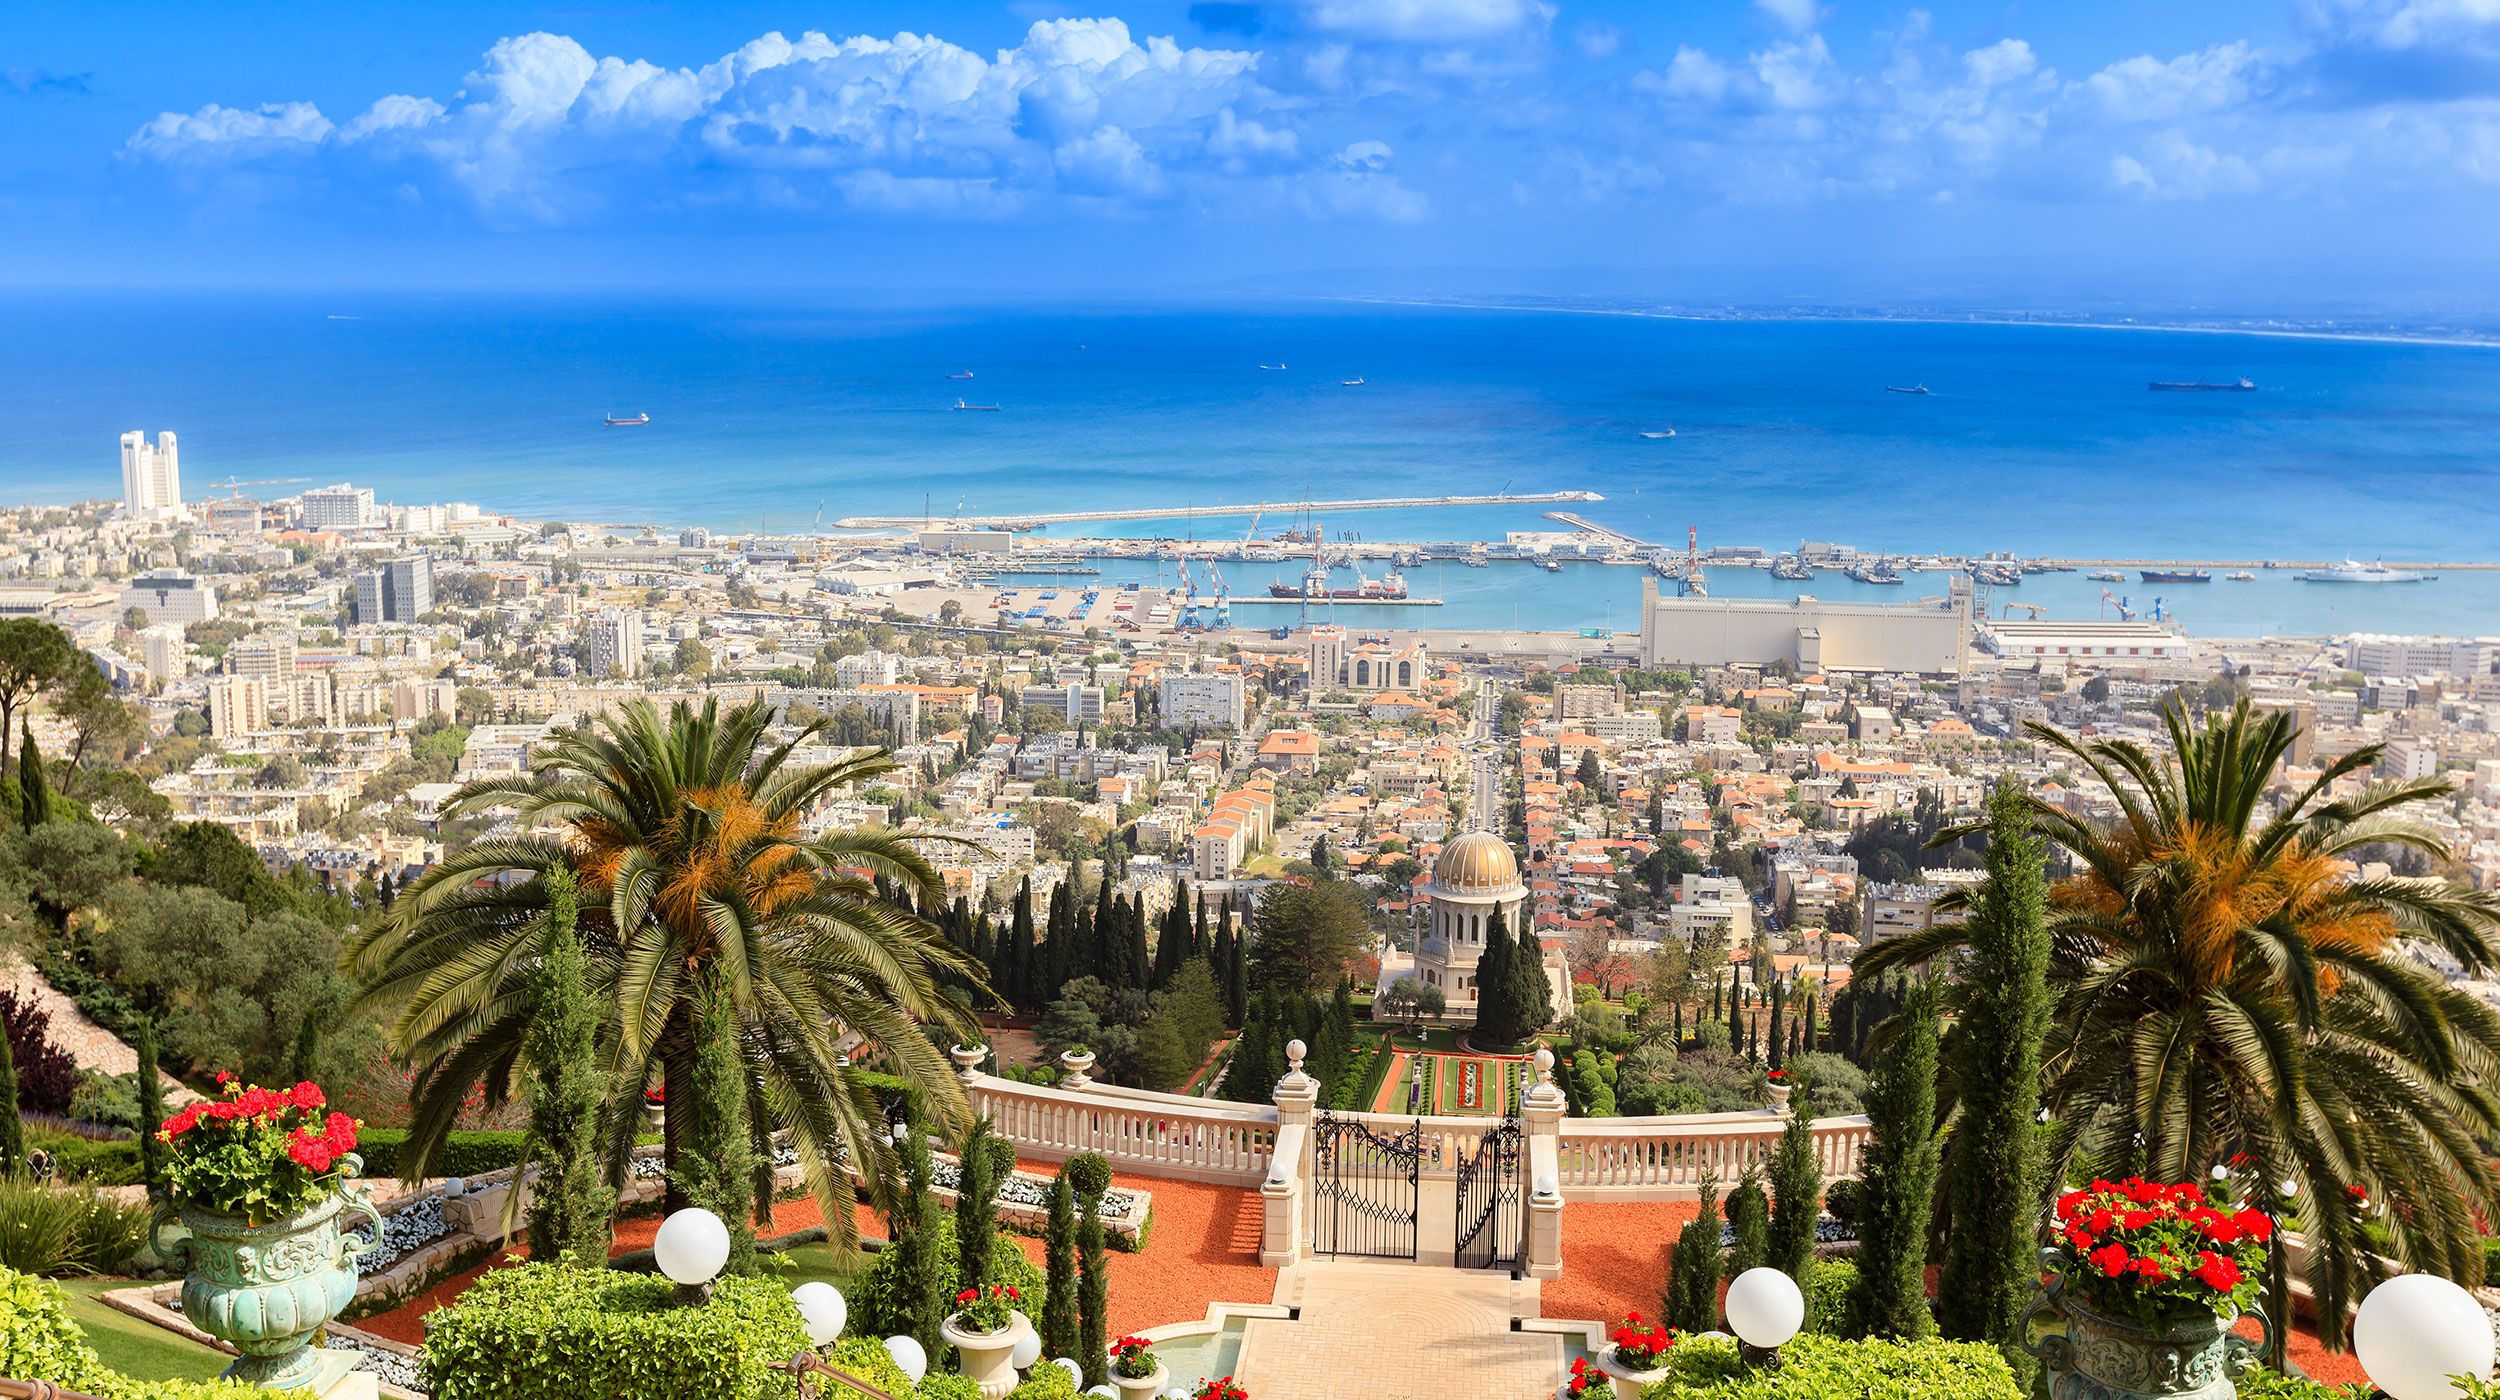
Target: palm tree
2226, 995
684, 835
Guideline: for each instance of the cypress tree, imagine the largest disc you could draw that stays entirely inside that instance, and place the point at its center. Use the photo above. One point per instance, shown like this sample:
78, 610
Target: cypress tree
151, 1104
1237, 979
303, 1058
1094, 1302
1749, 1215
1497, 991
1059, 1329
1679, 1023
1198, 928
1714, 996
1691, 1301
717, 1168
1779, 999
1896, 1190
1140, 961
1813, 1033
1019, 960
1533, 1001
912, 1228
572, 1208
976, 1202
12, 1128
34, 794
1994, 1192
1797, 1187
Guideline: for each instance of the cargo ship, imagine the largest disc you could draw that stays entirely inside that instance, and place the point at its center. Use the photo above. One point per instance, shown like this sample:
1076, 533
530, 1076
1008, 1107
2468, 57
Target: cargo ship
2175, 575
2237, 386
962, 407
639, 420
1390, 589
1912, 389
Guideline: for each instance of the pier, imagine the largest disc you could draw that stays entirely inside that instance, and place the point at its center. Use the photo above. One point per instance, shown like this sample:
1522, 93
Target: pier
1074, 517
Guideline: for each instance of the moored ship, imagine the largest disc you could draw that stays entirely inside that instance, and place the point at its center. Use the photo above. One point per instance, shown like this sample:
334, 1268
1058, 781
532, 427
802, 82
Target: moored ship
1389, 589
639, 420
2168, 386
2374, 572
2175, 575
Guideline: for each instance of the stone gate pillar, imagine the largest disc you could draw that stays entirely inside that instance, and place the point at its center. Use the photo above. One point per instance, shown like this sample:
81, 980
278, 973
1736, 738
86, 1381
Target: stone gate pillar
1541, 1113
1282, 1195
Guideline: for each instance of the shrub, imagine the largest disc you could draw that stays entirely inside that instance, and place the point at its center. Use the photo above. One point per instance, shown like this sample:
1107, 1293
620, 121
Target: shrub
946, 1385
40, 1342
1830, 1283
543, 1330
1048, 1382
48, 1230
867, 1358
880, 1306
1827, 1368
95, 1163
2258, 1383
1749, 1217
47, 1078
1090, 1174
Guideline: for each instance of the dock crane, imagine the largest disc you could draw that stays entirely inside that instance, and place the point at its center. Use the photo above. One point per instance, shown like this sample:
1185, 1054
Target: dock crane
1253, 532
2037, 612
1189, 600
1692, 563
1223, 595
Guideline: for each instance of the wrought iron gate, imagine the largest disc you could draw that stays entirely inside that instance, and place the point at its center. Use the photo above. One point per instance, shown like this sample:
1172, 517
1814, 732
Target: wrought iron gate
1364, 1188
1490, 1213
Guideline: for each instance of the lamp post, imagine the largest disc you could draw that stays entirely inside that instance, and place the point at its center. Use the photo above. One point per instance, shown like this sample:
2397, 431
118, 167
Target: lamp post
690, 1248
1766, 1311
2415, 1332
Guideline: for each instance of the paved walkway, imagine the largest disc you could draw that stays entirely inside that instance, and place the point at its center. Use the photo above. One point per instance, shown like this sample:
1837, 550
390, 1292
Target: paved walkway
1380, 1331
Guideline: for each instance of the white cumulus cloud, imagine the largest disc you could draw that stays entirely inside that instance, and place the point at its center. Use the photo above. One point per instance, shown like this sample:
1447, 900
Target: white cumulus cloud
215, 130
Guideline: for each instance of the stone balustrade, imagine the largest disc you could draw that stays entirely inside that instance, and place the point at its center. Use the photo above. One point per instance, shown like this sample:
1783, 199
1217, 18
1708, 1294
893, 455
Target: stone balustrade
1663, 1159
1147, 1133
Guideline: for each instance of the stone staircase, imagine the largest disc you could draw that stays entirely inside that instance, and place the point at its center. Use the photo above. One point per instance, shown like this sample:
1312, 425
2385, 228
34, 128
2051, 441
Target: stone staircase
1380, 1330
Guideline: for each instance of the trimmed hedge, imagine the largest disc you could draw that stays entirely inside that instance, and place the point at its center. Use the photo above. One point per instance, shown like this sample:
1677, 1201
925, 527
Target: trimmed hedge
553, 1332
465, 1153
1830, 1284
39, 1342
1826, 1368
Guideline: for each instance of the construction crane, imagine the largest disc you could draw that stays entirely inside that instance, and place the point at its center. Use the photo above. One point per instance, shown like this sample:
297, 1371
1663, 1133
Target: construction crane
1692, 563
2125, 612
238, 485
2037, 612
1253, 532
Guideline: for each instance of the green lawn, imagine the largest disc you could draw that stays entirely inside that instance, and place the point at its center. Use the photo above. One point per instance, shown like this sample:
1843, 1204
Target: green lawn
134, 1348
815, 1263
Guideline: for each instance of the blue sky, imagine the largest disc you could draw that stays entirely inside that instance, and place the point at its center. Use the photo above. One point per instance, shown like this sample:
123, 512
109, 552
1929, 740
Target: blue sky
2310, 152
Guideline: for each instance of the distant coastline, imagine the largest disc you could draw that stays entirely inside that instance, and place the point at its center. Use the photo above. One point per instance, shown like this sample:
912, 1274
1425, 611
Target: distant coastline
2484, 341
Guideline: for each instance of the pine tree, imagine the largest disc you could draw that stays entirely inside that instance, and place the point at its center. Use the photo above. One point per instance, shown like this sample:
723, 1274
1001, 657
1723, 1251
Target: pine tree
151, 1104
1797, 1190
1691, 1301
1059, 1324
1497, 1011
1749, 1216
12, 1128
1896, 1188
572, 1208
34, 795
1994, 1193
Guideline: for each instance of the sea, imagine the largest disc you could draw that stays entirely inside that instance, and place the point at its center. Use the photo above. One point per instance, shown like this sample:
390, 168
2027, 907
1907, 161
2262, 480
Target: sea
786, 413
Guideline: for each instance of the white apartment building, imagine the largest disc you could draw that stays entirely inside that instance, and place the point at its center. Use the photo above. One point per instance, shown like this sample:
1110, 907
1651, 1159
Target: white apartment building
1080, 704
1195, 698
2381, 654
1713, 724
612, 641
412, 701
340, 507
165, 652
265, 655
1628, 727
1712, 907
870, 667
171, 597
237, 706
151, 478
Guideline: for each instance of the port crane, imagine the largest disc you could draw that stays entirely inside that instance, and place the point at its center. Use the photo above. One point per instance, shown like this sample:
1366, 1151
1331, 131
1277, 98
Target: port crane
1692, 563
2037, 612
1223, 595
1189, 600
1253, 532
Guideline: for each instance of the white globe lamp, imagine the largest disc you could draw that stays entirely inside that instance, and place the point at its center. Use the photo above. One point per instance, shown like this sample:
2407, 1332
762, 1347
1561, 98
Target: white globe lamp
822, 1310
908, 1355
2416, 1331
690, 1248
1765, 1309
1027, 1351
1076, 1373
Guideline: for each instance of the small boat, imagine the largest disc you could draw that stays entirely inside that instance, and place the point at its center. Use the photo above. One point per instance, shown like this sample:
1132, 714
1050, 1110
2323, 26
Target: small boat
1552, 566
967, 374
2350, 572
2237, 386
1271, 366
2175, 575
963, 407
1792, 569
2106, 576
639, 420
1667, 434
2239, 576
1913, 389
1354, 383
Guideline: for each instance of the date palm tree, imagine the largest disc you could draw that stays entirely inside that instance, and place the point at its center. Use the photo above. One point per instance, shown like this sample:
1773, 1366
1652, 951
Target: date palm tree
2230, 993
684, 834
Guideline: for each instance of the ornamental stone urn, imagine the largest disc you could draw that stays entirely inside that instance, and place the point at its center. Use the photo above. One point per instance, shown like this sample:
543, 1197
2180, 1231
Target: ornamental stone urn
1079, 1065
1145, 1387
1628, 1382
266, 1287
988, 1357
2111, 1358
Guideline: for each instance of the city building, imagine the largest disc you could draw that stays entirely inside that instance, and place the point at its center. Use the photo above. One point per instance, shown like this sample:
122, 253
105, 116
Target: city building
237, 705
171, 598
340, 507
165, 652
1078, 704
1577, 702
1201, 698
396, 590
268, 655
2379, 654
1373, 665
2104, 643
413, 700
870, 667
1813, 634
1713, 909
151, 478
612, 643
1474, 879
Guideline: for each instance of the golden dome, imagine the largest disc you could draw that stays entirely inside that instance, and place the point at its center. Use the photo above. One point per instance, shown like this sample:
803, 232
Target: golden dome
1478, 863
